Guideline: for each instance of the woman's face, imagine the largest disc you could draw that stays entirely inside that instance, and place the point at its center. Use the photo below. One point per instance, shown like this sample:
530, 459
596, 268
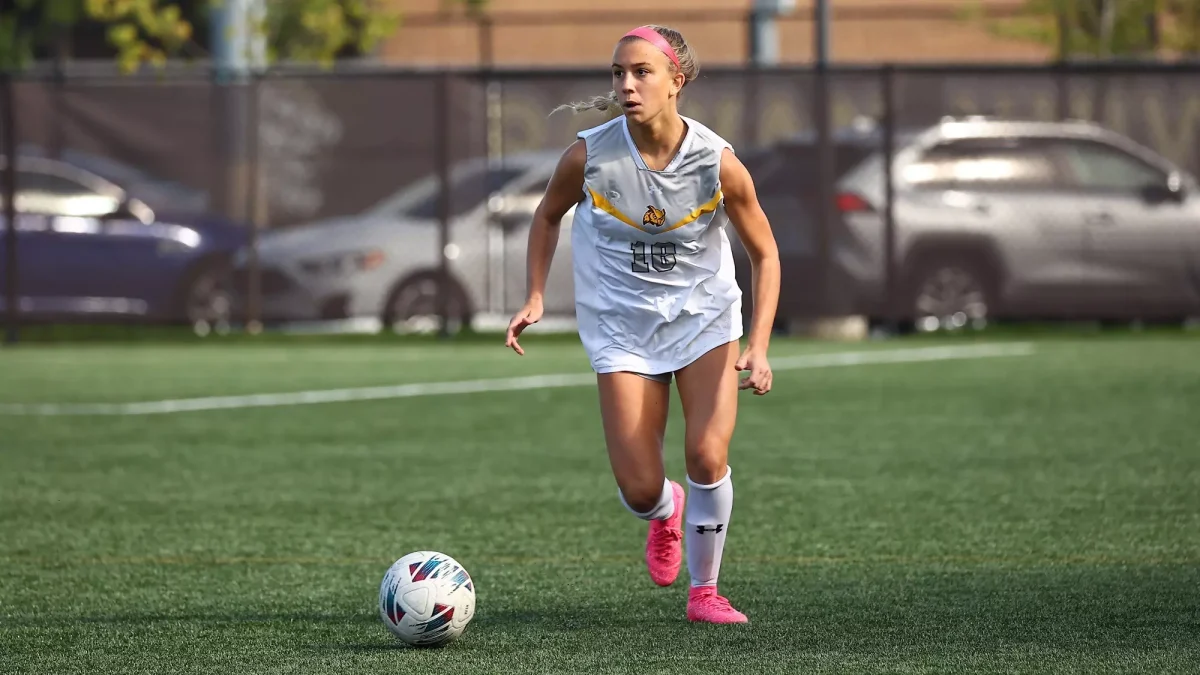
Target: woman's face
644, 79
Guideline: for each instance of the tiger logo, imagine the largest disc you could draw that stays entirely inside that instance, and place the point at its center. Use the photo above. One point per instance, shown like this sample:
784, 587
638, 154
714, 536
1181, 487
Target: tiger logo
655, 217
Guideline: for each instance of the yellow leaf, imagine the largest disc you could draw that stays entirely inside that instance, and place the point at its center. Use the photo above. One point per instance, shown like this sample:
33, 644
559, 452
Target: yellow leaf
168, 19
128, 60
100, 9
122, 34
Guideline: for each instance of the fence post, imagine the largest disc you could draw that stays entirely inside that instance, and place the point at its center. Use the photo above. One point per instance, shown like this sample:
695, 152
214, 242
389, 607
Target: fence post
487, 48
890, 120
253, 263
825, 180
444, 130
496, 280
56, 141
825, 157
752, 82
12, 298
1063, 81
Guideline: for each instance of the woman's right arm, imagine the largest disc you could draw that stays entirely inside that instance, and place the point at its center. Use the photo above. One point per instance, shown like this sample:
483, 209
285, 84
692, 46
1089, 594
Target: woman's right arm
564, 191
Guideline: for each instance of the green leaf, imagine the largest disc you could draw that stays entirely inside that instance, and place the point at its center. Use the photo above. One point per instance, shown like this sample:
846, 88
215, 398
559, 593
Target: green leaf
62, 12
1086, 32
153, 31
16, 48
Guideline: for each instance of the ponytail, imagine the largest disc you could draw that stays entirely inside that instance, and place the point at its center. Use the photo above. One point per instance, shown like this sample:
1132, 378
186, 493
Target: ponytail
608, 103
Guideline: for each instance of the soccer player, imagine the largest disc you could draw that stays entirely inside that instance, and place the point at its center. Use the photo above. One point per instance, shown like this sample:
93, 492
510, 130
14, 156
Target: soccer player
656, 298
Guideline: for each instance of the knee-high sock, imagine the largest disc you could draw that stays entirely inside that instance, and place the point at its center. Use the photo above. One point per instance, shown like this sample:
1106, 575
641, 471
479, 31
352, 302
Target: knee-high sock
708, 511
661, 511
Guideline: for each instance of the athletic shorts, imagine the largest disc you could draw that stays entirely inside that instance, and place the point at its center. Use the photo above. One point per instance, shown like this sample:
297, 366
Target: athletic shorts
665, 378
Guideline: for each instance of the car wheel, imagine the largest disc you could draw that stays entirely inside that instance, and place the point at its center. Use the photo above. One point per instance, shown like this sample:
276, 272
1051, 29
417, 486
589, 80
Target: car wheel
413, 306
206, 299
950, 296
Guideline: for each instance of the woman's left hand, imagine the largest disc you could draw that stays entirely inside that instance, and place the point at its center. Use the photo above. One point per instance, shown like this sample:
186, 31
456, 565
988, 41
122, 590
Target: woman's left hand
760, 371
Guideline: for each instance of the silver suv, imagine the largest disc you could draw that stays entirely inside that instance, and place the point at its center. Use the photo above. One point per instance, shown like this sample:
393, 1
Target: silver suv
996, 218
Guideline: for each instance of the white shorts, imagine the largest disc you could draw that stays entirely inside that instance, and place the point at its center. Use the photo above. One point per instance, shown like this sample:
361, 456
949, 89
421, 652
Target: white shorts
613, 357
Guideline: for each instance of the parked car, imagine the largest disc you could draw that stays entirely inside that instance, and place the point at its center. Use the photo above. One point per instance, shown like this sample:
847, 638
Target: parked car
383, 263
994, 219
787, 181
1003, 218
87, 249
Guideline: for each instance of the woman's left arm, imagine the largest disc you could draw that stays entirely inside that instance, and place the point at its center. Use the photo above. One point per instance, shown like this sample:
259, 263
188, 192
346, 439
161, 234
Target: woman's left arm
741, 204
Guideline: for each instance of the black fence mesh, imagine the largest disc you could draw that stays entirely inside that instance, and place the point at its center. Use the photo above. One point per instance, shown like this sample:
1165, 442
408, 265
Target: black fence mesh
300, 197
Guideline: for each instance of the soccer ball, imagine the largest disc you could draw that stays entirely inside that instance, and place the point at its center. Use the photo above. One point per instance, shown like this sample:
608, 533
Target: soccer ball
427, 599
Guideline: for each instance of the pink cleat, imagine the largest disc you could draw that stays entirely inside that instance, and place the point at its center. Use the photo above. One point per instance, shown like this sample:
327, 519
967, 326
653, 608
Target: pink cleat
663, 543
706, 606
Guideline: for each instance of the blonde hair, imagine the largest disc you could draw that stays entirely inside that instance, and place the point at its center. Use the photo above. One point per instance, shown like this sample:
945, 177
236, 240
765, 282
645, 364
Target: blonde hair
689, 65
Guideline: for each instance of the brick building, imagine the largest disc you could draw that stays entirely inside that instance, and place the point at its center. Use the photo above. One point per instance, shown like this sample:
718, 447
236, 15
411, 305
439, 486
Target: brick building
581, 32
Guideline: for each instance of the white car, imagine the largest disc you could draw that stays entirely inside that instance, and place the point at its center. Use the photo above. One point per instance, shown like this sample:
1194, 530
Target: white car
383, 263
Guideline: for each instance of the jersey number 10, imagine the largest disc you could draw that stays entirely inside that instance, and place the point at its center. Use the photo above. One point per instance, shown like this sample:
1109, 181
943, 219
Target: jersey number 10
662, 256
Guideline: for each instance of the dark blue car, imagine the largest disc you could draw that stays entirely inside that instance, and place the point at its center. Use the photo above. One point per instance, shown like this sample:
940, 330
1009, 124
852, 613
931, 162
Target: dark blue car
87, 249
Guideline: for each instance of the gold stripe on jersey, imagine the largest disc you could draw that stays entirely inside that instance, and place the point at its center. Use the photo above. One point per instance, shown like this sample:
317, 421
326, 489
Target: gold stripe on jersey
607, 207
707, 207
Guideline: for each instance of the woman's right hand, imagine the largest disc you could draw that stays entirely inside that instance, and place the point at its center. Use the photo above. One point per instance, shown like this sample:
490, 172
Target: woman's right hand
530, 314
562, 192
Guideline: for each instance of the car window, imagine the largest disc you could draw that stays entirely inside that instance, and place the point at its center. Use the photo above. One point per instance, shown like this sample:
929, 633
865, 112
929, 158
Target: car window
532, 195
974, 164
1096, 165
787, 181
535, 191
466, 193
795, 169
518, 204
48, 193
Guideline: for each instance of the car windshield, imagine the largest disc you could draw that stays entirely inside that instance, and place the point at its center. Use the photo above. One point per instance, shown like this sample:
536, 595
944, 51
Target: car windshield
466, 192
469, 187
794, 167
46, 192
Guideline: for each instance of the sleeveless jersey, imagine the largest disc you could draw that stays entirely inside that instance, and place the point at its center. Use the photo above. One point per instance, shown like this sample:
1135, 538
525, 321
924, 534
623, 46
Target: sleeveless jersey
654, 272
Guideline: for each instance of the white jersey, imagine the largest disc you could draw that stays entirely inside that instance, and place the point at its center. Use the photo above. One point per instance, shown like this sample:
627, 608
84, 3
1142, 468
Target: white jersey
654, 272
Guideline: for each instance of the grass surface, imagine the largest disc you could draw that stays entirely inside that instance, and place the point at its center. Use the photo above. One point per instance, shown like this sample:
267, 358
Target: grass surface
1019, 514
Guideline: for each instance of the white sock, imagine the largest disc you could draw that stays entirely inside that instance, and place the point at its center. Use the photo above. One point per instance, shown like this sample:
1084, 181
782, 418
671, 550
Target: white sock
708, 511
663, 510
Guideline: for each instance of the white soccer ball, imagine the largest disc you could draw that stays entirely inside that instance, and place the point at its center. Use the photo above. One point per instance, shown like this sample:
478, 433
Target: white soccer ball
427, 599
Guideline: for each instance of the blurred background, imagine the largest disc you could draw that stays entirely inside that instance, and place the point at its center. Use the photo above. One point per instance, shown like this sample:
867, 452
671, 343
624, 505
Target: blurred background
368, 166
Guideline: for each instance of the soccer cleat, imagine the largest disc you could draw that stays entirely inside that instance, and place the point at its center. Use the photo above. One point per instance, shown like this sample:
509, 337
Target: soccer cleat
706, 606
664, 542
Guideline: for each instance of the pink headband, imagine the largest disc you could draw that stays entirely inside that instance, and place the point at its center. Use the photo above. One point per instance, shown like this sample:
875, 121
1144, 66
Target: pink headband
650, 35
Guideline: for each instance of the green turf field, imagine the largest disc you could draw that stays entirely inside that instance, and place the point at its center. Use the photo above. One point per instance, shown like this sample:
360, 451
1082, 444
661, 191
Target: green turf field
1035, 513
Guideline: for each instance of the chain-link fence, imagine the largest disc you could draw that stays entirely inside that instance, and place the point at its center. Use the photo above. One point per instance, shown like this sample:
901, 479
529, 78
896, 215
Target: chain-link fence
396, 199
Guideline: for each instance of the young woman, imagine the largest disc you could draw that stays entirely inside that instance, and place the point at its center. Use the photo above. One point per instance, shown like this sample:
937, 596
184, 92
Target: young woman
656, 297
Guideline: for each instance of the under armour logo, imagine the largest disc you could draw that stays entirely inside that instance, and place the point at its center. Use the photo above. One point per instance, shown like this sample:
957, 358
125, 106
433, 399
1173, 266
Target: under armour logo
700, 529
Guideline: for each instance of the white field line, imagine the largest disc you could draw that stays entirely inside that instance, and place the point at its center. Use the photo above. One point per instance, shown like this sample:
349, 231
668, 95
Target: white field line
801, 362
